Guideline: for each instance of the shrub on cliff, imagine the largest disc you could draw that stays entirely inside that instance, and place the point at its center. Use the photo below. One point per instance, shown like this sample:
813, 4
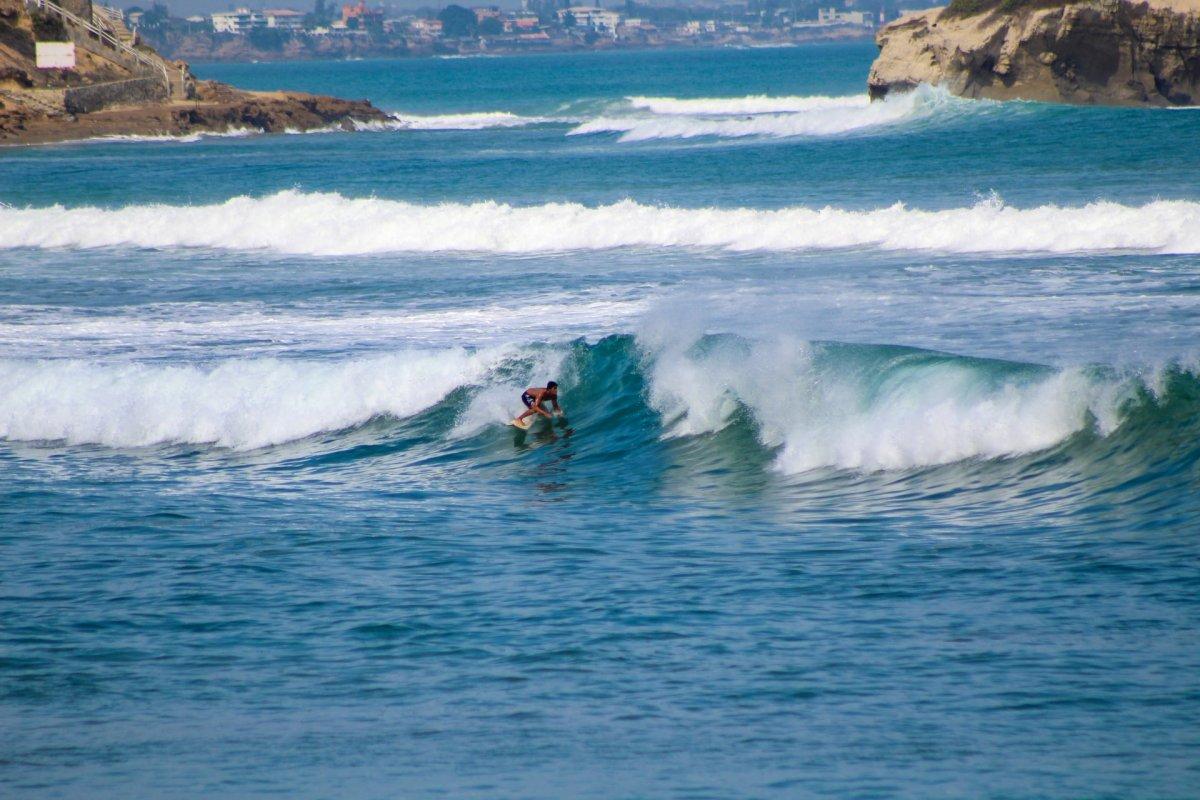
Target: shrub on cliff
48, 28
971, 8
14, 38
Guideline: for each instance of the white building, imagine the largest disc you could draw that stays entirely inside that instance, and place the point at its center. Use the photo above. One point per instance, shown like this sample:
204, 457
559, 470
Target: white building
241, 21
831, 16
284, 18
598, 19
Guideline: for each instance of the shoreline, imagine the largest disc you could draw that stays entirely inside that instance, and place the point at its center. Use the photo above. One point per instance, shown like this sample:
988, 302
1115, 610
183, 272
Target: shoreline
218, 110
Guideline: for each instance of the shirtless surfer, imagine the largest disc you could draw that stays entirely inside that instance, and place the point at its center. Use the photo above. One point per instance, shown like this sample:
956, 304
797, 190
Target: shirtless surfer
534, 398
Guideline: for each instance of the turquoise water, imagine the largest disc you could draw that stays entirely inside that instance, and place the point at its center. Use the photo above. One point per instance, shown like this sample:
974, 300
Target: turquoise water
879, 476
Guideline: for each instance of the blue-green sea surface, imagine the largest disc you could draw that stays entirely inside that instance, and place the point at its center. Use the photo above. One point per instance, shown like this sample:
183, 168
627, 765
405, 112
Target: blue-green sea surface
879, 475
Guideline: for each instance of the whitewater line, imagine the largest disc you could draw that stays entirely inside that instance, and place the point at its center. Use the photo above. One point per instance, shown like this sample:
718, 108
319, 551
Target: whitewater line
749, 104
326, 224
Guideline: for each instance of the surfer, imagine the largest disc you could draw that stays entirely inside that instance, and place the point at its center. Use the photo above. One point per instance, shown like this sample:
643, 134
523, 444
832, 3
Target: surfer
534, 398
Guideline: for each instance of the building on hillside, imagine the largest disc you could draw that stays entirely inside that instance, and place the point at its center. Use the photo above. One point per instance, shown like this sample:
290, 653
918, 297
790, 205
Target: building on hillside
284, 19
359, 16
831, 16
521, 22
485, 12
425, 28
697, 27
636, 28
597, 19
243, 20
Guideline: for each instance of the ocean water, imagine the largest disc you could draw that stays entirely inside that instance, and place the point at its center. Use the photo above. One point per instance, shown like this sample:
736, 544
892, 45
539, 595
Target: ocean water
880, 474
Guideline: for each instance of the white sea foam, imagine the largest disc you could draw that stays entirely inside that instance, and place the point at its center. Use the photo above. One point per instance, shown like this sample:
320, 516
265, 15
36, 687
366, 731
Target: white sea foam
330, 224
493, 404
809, 116
238, 403
230, 133
750, 104
247, 328
457, 122
897, 415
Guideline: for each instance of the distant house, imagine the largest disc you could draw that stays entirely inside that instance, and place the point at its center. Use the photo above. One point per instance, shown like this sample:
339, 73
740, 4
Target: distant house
426, 28
521, 23
284, 18
485, 12
598, 19
359, 16
243, 20
831, 16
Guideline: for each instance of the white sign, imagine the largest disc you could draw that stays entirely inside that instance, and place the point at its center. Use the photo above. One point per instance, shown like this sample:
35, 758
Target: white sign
56, 55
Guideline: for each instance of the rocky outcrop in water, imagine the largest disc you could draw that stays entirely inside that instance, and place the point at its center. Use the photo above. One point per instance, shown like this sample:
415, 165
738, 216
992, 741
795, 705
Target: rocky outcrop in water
1110, 52
217, 109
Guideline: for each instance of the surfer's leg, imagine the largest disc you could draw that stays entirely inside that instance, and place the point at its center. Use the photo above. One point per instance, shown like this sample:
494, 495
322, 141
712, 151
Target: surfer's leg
528, 401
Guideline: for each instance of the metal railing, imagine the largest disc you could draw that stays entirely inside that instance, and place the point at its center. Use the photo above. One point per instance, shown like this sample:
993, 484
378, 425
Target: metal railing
107, 37
112, 17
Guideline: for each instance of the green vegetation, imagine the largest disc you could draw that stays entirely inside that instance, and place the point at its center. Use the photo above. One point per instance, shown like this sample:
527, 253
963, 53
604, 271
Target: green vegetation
457, 21
48, 28
971, 8
13, 37
269, 39
153, 17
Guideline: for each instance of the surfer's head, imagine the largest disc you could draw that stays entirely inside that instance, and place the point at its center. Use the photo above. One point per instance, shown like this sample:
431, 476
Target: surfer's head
552, 386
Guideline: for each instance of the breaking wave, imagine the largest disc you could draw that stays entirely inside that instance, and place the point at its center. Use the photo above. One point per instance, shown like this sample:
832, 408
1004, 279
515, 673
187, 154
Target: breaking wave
750, 104
236, 403
330, 224
874, 408
778, 117
806, 405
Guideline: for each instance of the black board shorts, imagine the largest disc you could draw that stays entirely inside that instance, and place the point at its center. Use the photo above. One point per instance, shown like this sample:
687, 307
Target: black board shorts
527, 399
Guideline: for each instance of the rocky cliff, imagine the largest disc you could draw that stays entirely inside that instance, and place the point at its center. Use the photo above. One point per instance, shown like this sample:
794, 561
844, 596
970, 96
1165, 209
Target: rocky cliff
107, 94
1112, 52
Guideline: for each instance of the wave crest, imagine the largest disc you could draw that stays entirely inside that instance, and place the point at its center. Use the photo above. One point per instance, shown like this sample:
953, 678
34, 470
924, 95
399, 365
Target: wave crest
750, 104
330, 224
810, 405
240, 404
672, 118
876, 408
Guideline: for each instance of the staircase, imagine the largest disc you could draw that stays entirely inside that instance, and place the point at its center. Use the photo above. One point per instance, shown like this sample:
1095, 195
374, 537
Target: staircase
97, 34
114, 20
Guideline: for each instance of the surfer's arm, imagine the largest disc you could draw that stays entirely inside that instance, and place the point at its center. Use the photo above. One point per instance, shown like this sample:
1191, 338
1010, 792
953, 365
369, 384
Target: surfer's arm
538, 399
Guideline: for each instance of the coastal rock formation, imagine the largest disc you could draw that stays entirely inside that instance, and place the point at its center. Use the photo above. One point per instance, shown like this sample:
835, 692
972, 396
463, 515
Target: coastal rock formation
218, 108
117, 90
1112, 52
